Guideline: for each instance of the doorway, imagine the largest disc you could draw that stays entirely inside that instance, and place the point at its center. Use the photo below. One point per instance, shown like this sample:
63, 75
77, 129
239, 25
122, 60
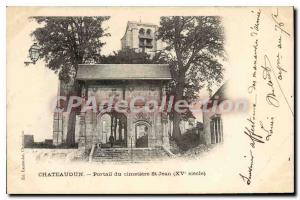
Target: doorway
112, 124
142, 130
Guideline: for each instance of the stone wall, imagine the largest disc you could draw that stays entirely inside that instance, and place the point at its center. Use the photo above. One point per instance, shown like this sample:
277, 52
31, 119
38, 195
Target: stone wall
206, 127
53, 154
157, 135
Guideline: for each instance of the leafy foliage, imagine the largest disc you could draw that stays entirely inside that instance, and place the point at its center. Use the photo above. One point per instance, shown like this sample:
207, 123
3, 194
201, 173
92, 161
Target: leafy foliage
66, 42
195, 47
194, 51
127, 56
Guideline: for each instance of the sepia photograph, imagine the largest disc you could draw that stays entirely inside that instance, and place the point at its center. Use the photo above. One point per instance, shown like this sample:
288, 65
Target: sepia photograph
150, 100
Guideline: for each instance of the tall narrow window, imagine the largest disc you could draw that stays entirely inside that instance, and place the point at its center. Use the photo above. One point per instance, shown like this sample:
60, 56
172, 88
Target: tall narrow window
142, 31
216, 128
104, 126
212, 131
148, 31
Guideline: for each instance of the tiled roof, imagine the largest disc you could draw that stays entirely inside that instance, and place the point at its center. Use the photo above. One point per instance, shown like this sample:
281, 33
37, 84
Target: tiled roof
221, 92
123, 72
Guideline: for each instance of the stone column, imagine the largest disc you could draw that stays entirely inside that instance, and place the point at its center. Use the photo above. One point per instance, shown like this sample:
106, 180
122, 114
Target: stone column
218, 121
216, 130
164, 117
82, 136
221, 130
213, 134
130, 132
165, 138
115, 127
94, 132
82, 131
57, 128
117, 133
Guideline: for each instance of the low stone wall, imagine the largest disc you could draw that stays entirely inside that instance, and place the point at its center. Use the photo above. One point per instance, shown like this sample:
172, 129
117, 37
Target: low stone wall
54, 154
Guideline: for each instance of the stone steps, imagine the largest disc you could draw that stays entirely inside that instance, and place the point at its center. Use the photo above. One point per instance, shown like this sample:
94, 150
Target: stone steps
129, 155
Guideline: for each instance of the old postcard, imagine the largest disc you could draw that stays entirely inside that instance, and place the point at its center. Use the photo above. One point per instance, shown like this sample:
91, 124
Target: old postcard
150, 100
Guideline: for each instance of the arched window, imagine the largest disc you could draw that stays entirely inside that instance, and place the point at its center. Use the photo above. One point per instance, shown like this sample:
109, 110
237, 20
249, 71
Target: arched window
142, 131
142, 31
104, 130
148, 31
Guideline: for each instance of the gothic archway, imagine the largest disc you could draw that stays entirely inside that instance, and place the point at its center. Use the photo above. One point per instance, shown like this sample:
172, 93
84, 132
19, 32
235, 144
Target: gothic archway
142, 131
112, 124
104, 128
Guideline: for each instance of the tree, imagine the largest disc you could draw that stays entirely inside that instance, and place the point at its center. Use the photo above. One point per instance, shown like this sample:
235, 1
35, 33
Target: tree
127, 56
66, 42
194, 51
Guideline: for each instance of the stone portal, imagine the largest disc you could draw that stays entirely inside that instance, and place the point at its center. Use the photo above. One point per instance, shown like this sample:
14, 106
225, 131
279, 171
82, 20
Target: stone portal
109, 84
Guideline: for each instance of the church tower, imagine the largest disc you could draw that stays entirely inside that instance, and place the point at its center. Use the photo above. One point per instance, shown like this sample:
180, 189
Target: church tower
141, 37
